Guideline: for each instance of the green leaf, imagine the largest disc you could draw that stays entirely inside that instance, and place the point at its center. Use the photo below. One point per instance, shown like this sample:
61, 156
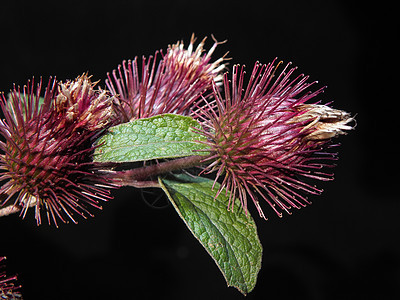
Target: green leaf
161, 136
229, 237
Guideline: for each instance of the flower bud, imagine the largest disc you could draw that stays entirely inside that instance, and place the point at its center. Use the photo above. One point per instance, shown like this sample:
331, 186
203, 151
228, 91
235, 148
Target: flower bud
266, 140
181, 76
47, 147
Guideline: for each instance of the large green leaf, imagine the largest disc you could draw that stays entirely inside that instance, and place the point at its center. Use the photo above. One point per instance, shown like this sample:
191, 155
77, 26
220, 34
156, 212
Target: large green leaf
161, 136
229, 237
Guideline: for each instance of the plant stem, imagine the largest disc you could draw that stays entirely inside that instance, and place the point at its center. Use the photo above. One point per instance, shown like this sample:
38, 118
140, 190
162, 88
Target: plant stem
12, 208
8, 210
139, 177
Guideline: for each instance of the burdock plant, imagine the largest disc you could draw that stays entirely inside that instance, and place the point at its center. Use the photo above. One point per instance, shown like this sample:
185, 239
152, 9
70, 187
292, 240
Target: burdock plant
264, 138
169, 85
211, 141
48, 141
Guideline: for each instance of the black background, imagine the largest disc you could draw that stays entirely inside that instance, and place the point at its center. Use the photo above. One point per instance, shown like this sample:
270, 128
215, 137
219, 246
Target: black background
344, 246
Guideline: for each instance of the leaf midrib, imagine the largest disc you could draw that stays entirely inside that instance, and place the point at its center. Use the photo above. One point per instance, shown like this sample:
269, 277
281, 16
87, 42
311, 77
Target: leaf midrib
217, 229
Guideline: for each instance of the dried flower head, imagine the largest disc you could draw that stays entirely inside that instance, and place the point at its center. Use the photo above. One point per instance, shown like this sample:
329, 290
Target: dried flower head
266, 140
80, 104
47, 148
9, 290
181, 76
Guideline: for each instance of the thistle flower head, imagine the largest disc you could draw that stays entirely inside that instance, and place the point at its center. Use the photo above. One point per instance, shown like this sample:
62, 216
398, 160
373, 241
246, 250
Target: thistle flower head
47, 146
8, 288
266, 140
172, 86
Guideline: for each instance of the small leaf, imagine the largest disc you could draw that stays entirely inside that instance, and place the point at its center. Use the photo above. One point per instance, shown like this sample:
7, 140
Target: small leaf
161, 136
229, 237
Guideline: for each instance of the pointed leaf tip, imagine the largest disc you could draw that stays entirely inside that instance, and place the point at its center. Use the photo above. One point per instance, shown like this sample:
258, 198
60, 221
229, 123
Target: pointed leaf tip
230, 238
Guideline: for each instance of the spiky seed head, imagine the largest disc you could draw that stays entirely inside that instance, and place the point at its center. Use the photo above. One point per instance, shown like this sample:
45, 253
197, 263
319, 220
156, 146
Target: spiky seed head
47, 148
9, 289
266, 140
169, 85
